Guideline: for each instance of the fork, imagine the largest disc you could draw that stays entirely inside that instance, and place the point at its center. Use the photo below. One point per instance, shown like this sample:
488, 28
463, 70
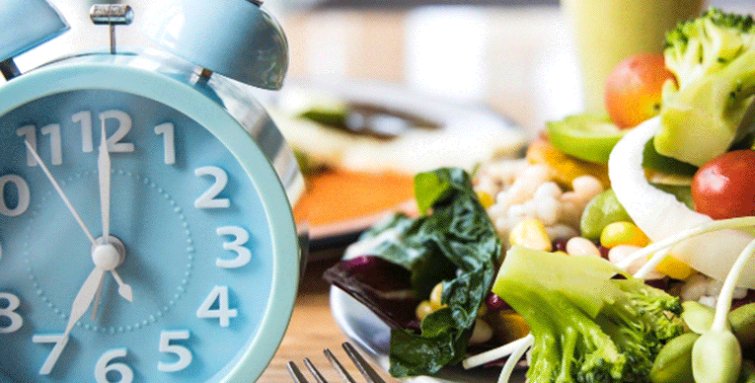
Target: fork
367, 371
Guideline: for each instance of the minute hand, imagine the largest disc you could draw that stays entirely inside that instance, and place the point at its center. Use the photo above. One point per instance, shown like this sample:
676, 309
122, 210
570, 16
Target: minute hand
84, 298
104, 166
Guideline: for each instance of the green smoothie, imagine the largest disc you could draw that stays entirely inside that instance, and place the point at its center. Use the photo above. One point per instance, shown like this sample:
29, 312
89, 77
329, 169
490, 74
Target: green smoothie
608, 31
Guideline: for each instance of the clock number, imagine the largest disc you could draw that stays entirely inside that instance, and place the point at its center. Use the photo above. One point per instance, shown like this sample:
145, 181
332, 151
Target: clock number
30, 134
56, 149
241, 237
124, 126
85, 119
168, 131
209, 199
184, 355
60, 344
24, 195
9, 311
103, 367
222, 312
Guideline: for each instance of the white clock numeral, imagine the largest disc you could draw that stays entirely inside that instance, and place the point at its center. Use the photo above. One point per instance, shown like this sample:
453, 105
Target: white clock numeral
241, 238
16, 321
56, 148
104, 366
60, 344
85, 119
124, 126
168, 131
30, 134
22, 191
184, 354
223, 312
209, 199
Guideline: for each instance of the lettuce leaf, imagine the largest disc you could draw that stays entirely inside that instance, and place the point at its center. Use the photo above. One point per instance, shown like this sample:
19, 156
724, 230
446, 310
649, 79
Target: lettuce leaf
455, 244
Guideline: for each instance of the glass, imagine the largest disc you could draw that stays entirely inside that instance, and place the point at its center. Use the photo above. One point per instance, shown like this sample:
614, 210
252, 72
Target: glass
608, 31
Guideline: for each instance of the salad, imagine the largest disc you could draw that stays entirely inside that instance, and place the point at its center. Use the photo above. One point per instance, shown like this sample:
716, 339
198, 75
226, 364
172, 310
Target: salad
619, 250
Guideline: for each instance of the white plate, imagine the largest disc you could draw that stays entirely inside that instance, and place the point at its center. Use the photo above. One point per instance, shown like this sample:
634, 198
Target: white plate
367, 331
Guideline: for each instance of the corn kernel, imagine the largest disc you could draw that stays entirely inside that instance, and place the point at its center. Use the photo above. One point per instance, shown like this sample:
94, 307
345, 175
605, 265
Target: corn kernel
623, 233
436, 296
485, 199
531, 234
675, 268
424, 309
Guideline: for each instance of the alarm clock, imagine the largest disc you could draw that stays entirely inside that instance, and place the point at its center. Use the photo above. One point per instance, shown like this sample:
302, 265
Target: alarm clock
146, 232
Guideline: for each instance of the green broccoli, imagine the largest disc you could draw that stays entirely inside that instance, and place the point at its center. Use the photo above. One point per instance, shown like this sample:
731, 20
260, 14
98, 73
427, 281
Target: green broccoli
713, 58
591, 321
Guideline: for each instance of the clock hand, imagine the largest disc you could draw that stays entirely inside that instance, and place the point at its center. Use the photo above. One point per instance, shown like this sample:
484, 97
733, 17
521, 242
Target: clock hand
123, 289
103, 167
60, 191
97, 299
84, 298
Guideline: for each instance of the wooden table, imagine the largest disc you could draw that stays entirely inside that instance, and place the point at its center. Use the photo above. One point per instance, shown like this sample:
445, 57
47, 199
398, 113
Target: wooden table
311, 330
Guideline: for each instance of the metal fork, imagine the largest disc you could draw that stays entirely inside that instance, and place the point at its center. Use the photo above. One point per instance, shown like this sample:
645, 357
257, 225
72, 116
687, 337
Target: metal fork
367, 371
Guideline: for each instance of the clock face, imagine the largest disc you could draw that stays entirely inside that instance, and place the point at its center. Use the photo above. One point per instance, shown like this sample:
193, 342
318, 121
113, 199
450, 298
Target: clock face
178, 291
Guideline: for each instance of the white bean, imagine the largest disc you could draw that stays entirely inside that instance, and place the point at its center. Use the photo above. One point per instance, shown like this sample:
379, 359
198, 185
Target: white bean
482, 332
548, 210
560, 231
548, 189
587, 187
579, 247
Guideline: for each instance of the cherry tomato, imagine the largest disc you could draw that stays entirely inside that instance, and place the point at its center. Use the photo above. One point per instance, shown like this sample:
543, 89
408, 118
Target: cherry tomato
725, 186
633, 89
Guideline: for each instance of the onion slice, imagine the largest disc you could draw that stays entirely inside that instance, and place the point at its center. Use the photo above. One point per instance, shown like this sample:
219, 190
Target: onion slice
660, 215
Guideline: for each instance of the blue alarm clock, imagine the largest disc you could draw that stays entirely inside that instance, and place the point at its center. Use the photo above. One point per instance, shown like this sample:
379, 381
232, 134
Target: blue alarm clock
146, 232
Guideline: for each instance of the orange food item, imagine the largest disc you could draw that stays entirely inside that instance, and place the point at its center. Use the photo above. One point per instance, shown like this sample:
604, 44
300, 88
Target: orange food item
339, 195
633, 89
565, 168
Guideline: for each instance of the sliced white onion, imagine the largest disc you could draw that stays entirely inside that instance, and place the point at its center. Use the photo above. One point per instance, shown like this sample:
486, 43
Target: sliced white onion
660, 215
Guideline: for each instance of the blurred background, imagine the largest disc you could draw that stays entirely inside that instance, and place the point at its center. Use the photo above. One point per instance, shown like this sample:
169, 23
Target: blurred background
516, 57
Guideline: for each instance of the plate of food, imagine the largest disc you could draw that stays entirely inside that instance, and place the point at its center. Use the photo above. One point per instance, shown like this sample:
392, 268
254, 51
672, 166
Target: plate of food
360, 146
609, 254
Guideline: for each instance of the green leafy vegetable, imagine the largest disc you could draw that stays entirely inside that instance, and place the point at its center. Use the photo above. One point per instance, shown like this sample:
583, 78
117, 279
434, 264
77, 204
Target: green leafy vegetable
591, 321
456, 244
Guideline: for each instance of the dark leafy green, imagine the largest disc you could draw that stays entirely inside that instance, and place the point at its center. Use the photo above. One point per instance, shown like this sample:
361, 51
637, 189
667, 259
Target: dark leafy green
455, 244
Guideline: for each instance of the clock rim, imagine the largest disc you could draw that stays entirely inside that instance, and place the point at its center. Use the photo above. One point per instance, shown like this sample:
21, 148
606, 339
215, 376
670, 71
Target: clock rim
109, 75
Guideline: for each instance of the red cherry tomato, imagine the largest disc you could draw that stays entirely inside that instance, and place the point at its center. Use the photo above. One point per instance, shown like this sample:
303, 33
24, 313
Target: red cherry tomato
725, 186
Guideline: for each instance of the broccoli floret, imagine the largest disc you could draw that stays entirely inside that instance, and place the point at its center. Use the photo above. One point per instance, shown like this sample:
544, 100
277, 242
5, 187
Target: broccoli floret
713, 58
705, 45
591, 322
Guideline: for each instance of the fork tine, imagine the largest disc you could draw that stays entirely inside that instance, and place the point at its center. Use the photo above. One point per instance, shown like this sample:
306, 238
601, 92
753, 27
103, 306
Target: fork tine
318, 376
338, 367
296, 373
367, 371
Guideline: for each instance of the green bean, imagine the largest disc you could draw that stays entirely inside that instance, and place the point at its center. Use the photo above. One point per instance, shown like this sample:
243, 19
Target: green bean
748, 372
698, 317
603, 210
674, 363
743, 324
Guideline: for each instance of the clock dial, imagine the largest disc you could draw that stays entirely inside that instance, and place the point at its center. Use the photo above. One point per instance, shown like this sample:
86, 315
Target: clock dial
189, 236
